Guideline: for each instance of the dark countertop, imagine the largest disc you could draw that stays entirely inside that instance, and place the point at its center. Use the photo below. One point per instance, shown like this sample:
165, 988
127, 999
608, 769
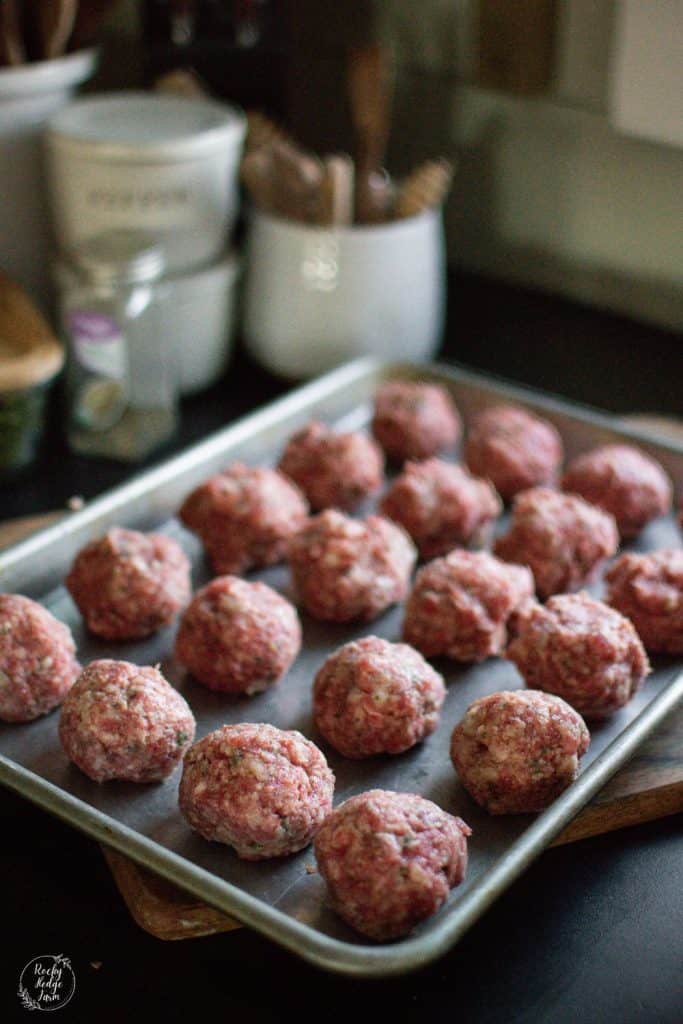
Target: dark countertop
592, 932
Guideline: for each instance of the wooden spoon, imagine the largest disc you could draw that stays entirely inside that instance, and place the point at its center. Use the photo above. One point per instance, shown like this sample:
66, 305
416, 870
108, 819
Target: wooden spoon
12, 51
370, 87
335, 205
55, 23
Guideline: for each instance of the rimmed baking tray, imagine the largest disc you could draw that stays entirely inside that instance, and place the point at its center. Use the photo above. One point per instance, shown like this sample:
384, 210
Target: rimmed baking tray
284, 899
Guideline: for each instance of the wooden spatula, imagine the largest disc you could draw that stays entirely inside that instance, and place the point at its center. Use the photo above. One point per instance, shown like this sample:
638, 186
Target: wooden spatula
12, 51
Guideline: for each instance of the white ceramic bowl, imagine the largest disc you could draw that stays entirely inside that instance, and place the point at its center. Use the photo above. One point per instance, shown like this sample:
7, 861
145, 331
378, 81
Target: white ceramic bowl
167, 165
316, 297
199, 314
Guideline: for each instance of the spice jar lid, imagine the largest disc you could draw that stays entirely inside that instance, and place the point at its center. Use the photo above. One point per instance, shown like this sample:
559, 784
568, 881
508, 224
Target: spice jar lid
30, 354
119, 257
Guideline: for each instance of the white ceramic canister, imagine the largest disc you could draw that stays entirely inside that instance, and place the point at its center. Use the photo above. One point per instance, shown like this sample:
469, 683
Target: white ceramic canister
199, 313
29, 96
316, 297
166, 165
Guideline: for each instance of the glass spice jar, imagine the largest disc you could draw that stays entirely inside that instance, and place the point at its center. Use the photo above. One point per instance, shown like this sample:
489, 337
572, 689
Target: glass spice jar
122, 375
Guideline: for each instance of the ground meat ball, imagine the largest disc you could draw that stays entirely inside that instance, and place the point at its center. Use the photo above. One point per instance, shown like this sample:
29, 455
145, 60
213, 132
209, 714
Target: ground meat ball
581, 650
562, 539
245, 517
37, 663
261, 790
441, 506
621, 480
333, 470
374, 697
238, 637
414, 420
513, 449
460, 605
517, 750
129, 584
648, 589
123, 721
390, 860
350, 569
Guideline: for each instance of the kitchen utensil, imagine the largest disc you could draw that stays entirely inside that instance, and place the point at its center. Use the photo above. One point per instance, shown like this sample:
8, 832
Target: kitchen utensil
335, 197
181, 82
296, 181
262, 131
55, 21
282, 899
167, 165
426, 187
316, 296
369, 81
12, 51
257, 175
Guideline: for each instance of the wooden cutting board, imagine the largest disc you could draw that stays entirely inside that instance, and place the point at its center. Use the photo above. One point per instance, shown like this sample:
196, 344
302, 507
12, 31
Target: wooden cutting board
650, 786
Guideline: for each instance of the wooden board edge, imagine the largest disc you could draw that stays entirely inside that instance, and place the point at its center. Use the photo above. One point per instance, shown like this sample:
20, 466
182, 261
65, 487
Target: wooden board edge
161, 908
624, 811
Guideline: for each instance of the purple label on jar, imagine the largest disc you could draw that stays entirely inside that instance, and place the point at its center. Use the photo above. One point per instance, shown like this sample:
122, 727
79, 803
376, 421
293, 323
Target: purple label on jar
98, 344
93, 326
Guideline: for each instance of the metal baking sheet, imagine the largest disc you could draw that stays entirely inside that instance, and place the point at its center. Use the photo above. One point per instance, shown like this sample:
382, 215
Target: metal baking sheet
281, 898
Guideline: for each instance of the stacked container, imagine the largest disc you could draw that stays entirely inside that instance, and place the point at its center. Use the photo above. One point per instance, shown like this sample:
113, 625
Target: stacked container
166, 167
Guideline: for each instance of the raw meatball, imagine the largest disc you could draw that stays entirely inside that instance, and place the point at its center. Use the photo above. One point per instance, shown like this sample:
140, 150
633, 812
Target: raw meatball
441, 506
517, 750
648, 589
245, 517
373, 697
350, 569
123, 721
414, 420
127, 585
333, 470
461, 604
562, 539
621, 480
238, 637
37, 662
261, 790
581, 650
390, 860
513, 449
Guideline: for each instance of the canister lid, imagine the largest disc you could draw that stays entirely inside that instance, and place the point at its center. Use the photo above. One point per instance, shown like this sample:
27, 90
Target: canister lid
119, 257
146, 128
30, 354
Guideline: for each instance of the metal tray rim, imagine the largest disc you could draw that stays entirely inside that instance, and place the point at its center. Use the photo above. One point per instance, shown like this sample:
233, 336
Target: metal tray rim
317, 948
